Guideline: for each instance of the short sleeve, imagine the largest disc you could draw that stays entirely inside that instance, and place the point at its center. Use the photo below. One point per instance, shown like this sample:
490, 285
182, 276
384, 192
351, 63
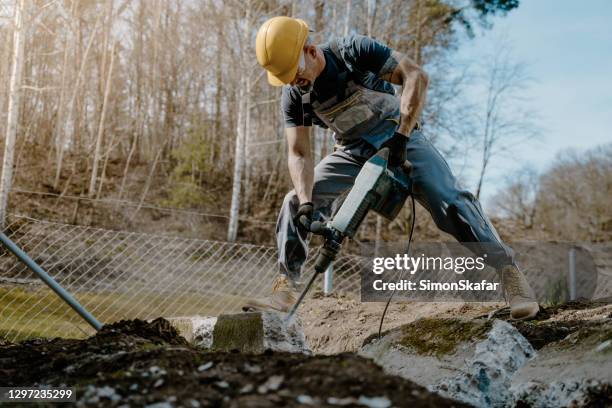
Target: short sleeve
365, 53
291, 106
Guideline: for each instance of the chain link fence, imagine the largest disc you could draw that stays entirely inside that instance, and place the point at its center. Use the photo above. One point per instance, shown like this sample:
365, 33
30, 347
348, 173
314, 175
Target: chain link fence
126, 275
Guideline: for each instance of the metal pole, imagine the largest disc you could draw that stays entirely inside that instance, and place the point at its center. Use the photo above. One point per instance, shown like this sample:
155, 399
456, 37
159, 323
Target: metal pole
49, 281
572, 273
328, 280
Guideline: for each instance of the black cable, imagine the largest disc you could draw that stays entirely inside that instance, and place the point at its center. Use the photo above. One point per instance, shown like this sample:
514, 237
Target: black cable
382, 318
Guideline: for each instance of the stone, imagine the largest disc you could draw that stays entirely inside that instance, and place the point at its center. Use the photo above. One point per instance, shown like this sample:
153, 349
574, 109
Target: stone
471, 361
494, 363
255, 332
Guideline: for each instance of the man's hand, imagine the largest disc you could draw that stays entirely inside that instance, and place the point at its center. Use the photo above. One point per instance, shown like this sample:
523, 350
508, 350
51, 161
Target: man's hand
303, 218
397, 149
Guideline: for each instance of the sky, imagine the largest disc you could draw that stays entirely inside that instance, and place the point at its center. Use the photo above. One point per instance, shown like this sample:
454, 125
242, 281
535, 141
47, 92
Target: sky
567, 47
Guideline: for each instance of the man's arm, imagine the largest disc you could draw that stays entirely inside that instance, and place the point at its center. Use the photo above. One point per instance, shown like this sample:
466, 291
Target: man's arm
401, 70
301, 165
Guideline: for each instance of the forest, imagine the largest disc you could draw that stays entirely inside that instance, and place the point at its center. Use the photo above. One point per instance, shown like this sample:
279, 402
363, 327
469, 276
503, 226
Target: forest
153, 115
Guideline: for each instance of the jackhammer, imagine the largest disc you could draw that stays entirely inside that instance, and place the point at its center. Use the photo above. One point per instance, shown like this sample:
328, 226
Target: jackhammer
377, 187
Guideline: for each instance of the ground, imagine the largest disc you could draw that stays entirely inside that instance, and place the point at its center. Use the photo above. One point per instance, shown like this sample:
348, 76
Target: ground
353, 321
144, 363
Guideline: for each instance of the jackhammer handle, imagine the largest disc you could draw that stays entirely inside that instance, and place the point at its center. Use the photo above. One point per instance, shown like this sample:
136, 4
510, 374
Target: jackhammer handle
316, 227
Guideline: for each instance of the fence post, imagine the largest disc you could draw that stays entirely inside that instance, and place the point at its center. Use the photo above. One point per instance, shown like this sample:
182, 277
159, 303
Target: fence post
49, 281
572, 274
328, 280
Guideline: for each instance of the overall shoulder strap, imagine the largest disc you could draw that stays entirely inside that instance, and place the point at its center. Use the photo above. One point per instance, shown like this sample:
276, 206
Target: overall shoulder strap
334, 46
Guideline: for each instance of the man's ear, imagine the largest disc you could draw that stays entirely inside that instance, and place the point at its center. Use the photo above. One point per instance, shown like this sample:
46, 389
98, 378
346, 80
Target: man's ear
310, 50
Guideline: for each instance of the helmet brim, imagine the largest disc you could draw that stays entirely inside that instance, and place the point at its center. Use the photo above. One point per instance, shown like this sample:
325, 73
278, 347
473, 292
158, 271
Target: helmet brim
283, 79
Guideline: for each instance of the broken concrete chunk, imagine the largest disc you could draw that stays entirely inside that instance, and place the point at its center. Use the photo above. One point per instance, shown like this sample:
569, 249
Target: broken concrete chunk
255, 332
195, 329
495, 363
251, 332
570, 371
469, 360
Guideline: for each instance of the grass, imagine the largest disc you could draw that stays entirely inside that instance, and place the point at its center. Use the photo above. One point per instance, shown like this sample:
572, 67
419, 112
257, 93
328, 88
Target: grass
26, 313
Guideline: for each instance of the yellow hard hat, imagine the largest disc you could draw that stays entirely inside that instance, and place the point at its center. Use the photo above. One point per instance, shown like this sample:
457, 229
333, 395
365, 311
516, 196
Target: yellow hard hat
278, 46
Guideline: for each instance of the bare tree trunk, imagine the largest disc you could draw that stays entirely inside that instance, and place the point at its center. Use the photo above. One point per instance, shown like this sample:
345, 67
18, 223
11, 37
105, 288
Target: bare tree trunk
347, 20
96, 159
13, 109
60, 119
62, 128
232, 230
148, 182
127, 165
248, 148
371, 17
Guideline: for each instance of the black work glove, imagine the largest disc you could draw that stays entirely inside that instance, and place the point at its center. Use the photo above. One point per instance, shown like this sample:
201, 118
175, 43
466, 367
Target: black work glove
397, 149
303, 218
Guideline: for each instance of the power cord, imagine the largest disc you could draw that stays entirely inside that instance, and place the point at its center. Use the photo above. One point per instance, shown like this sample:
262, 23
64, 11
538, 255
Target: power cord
384, 313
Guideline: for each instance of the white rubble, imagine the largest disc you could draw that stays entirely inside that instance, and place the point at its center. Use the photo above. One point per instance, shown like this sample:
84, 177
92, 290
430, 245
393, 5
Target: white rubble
502, 368
278, 334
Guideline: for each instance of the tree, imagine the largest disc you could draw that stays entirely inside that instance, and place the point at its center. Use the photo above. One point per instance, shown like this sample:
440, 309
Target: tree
517, 201
19, 33
505, 119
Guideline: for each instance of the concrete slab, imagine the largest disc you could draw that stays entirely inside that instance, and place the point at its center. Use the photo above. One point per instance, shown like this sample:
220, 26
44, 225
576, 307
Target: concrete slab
252, 332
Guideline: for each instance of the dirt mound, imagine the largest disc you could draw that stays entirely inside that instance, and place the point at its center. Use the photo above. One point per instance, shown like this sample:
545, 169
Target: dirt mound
158, 331
339, 323
141, 363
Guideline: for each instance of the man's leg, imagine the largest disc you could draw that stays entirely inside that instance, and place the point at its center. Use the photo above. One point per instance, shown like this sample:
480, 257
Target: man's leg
333, 175
459, 213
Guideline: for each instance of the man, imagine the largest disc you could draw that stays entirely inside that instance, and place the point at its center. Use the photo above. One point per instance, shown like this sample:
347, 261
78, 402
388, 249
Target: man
345, 85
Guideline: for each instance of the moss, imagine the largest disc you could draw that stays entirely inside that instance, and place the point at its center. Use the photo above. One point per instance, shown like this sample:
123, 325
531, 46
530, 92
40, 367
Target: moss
150, 346
243, 332
440, 337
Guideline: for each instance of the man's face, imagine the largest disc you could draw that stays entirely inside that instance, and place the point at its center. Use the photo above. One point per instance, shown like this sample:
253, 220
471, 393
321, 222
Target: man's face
305, 76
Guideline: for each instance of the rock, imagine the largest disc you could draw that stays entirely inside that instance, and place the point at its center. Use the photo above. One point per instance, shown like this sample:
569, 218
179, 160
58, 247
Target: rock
305, 400
272, 384
222, 384
282, 336
342, 402
573, 370
495, 363
205, 366
472, 361
488, 373
604, 346
202, 331
164, 404
256, 332
195, 329
248, 332
252, 369
374, 402
246, 389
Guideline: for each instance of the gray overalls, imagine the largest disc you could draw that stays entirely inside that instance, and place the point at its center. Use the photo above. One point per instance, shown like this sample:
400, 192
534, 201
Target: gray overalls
353, 114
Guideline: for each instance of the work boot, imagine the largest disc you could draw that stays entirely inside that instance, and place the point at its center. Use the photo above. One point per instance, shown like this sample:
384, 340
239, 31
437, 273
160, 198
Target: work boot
519, 295
283, 297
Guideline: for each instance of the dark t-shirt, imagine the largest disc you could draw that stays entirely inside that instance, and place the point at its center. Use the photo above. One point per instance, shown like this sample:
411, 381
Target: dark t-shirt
362, 56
